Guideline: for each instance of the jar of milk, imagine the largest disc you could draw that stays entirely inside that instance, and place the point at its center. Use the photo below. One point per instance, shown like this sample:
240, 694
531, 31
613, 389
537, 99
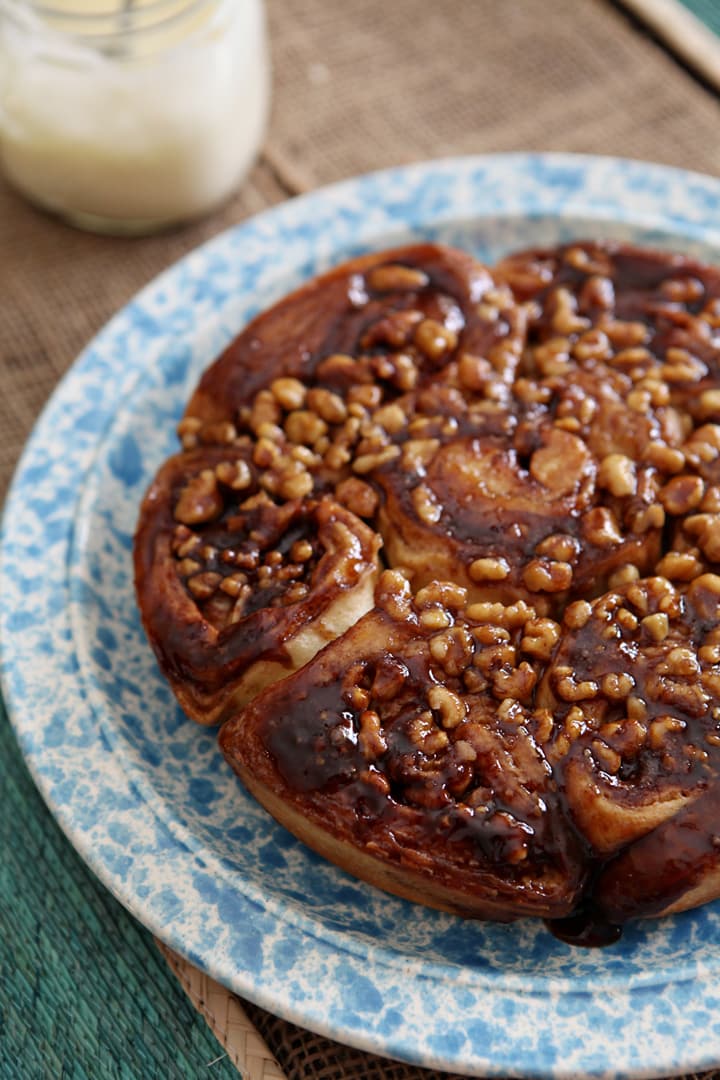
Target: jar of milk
127, 116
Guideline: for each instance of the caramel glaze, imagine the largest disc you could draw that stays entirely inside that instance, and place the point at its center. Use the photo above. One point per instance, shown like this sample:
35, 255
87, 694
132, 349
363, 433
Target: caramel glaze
206, 636
412, 799
504, 817
665, 292
351, 314
639, 772
547, 438
492, 506
340, 313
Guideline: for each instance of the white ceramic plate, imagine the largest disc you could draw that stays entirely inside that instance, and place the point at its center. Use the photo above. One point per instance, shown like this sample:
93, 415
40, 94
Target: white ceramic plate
144, 794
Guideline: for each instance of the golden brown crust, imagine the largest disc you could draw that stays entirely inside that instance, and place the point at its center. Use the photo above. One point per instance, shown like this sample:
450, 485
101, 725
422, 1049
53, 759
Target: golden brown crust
545, 439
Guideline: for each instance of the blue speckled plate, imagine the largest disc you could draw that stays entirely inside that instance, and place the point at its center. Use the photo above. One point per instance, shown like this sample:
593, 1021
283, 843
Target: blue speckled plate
143, 793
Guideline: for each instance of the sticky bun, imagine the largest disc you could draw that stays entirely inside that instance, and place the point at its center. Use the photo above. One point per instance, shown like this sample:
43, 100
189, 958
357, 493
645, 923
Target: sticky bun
441, 552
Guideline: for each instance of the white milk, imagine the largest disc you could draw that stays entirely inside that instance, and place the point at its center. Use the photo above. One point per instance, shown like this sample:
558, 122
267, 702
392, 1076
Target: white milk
132, 131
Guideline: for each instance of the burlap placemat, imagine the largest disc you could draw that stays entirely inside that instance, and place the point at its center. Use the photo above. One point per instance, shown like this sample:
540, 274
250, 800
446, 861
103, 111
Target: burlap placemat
374, 84
359, 87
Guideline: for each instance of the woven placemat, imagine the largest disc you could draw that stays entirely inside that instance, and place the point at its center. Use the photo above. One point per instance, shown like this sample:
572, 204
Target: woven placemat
83, 990
84, 993
228, 1019
393, 83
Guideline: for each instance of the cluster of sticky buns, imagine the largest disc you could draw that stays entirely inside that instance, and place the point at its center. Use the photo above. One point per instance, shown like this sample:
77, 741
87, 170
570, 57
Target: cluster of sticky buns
441, 553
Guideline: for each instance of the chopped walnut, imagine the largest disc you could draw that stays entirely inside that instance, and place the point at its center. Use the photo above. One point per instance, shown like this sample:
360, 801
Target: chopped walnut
359, 497
434, 339
200, 499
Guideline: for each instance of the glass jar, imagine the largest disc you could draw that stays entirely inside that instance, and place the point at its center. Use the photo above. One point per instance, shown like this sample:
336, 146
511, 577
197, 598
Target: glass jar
127, 116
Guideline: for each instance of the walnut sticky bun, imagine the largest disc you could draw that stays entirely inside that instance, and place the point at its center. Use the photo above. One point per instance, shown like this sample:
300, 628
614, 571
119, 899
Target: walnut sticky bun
238, 589
441, 550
